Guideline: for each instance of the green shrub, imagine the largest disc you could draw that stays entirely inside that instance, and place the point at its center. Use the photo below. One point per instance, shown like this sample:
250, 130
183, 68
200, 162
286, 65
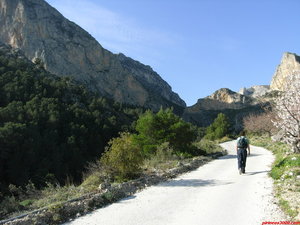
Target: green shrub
164, 158
208, 146
108, 196
291, 161
164, 126
276, 173
123, 158
287, 209
53, 194
164, 152
225, 139
94, 176
8, 205
219, 128
282, 164
92, 181
201, 132
26, 203
276, 147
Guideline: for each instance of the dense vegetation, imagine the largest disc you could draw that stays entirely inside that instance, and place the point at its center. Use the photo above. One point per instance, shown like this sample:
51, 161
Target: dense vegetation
164, 126
125, 158
219, 128
157, 136
52, 129
50, 126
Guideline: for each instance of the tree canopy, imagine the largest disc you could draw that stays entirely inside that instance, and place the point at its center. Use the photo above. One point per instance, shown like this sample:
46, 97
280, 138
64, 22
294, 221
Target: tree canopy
219, 128
164, 126
51, 125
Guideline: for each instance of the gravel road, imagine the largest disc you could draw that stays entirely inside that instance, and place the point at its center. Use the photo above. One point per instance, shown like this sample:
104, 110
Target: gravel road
214, 194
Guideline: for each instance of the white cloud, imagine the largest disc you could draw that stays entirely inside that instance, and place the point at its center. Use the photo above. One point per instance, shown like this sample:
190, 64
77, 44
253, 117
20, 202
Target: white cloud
116, 32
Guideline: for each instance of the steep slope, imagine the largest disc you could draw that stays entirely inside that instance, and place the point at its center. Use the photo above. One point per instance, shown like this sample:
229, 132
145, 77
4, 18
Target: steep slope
234, 105
290, 64
40, 31
50, 125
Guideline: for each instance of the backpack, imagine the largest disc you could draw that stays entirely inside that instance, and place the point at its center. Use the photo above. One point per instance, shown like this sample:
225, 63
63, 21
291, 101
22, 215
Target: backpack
242, 142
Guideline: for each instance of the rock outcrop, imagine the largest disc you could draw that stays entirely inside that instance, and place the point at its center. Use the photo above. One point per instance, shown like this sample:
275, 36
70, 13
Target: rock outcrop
9, 52
223, 98
255, 91
290, 64
40, 31
236, 106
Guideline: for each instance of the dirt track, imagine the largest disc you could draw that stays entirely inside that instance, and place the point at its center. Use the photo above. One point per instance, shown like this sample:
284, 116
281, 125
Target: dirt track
214, 194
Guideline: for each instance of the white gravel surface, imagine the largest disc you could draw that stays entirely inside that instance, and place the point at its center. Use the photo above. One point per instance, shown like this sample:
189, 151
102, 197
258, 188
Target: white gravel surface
214, 194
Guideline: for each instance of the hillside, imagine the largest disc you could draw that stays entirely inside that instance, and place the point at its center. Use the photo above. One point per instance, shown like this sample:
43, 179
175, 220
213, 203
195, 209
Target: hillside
50, 127
236, 106
82, 127
40, 31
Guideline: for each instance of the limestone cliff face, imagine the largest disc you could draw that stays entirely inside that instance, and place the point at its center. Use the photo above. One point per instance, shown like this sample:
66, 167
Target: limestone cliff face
290, 64
234, 105
223, 98
40, 31
255, 91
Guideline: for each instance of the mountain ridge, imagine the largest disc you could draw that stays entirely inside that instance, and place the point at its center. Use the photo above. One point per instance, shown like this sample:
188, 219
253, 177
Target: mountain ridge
40, 31
66, 49
235, 105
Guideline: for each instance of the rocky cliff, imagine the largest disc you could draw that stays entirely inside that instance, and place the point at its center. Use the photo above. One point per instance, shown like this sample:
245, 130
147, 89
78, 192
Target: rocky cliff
223, 98
236, 106
40, 31
255, 91
290, 64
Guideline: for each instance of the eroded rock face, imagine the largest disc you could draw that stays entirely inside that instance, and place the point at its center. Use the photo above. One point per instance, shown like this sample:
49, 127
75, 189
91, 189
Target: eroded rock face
255, 91
223, 98
40, 31
236, 106
290, 64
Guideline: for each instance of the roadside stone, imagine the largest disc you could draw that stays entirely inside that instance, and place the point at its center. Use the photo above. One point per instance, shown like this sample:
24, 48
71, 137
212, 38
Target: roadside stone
104, 186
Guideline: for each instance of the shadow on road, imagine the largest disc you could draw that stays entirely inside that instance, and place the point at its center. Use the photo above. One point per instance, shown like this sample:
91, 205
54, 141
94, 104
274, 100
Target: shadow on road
193, 183
129, 198
253, 155
227, 157
258, 172
234, 156
124, 200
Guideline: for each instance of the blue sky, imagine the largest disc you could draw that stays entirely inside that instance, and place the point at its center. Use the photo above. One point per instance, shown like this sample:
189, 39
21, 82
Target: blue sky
197, 46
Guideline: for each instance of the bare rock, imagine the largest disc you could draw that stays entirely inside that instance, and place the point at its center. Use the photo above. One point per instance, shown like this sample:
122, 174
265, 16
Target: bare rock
290, 64
234, 105
104, 186
40, 31
255, 91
